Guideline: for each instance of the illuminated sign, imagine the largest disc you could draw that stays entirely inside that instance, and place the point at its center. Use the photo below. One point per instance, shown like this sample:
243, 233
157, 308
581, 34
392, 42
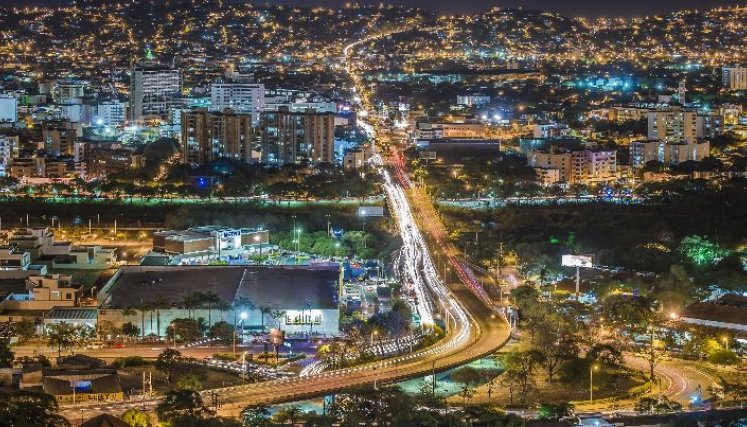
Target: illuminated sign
82, 386
230, 233
296, 318
585, 261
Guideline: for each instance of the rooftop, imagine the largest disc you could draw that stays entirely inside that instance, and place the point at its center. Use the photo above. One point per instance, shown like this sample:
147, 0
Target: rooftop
729, 308
274, 287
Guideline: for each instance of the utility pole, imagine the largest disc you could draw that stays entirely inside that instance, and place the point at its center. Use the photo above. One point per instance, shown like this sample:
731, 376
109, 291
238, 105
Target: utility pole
89, 225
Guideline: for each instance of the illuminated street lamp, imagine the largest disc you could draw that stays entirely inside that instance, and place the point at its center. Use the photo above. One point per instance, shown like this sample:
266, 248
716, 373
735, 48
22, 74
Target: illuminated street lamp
257, 239
243, 316
725, 339
592, 368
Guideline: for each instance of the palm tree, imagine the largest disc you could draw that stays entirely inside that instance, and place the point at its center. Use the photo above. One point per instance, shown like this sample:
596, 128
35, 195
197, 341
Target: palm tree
264, 310
63, 335
277, 315
159, 303
132, 310
146, 306
210, 299
223, 306
190, 302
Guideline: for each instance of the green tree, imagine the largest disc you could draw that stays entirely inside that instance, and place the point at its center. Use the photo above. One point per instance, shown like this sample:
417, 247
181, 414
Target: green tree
6, 355
701, 252
166, 362
518, 376
62, 335
723, 357
557, 344
549, 411
25, 329
189, 382
159, 303
191, 301
255, 416
185, 329
222, 331
288, 415
469, 378
30, 409
180, 403
211, 300
130, 329
136, 418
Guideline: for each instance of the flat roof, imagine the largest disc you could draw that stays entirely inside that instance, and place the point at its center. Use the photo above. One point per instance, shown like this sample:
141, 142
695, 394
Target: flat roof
725, 310
266, 286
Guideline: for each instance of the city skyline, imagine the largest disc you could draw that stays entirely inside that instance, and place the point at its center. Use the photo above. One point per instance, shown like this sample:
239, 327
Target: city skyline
581, 8
215, 213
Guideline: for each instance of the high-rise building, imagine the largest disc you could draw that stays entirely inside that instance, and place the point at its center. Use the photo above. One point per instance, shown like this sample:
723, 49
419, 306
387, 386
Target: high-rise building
110, 113
734, 78
66, 89
677, 124
59, 138
242, 97
295, 137
8, 109
208, 136
8, 150
155, 89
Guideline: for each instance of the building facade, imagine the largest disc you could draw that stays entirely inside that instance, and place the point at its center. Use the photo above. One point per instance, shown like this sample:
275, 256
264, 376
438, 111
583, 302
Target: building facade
155, 90
677, 124
8, 109
580, 166
734, 78
294, 137
110, 113
8, 150
208, 136
239, 96
642, 152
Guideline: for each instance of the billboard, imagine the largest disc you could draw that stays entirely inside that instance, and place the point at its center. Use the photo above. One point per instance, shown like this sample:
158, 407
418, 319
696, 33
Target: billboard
370, 211
586, 261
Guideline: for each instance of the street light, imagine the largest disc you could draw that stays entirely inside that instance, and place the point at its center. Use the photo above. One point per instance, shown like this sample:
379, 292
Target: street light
592, 368
243, 316
257, 239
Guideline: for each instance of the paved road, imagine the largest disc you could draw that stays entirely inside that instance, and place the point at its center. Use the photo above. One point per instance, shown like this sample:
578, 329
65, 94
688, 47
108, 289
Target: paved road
473, 332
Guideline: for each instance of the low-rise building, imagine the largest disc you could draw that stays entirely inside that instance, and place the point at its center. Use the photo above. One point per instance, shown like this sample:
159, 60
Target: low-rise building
308, 296
446, 130
209, 242
79, 386
574, 166
40, 293
642, 152
728, 312
551, 130
473, 100
355, 159
13, 258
